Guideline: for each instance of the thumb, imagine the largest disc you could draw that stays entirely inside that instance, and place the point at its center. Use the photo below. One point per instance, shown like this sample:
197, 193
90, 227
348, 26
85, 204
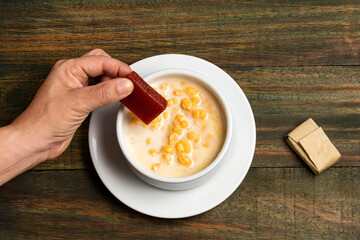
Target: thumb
104, 93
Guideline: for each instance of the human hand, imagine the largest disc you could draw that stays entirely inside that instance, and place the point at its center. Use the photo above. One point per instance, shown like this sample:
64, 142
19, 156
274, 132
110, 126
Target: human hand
62, 103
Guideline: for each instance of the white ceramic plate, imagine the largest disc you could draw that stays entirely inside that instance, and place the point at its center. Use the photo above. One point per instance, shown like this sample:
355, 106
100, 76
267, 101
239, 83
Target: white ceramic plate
113, 170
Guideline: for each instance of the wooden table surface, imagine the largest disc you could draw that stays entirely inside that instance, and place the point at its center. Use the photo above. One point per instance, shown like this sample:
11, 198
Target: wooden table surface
293, 60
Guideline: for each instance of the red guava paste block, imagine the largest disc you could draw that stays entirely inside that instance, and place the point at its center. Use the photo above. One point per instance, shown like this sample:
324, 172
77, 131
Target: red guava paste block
144, 101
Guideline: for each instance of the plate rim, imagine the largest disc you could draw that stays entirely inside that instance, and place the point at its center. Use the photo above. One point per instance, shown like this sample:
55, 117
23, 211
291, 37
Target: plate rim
199, 210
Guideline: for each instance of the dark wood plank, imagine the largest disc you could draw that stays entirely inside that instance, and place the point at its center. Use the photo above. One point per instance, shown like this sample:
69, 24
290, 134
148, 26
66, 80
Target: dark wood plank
232, 35
229, 33
255, 42
281, 98
271, 203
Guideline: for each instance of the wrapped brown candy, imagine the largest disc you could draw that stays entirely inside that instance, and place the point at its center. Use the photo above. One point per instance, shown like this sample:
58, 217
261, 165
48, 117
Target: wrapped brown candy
310, 142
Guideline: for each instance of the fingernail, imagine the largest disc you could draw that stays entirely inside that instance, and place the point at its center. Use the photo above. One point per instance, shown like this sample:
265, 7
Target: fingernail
124, 87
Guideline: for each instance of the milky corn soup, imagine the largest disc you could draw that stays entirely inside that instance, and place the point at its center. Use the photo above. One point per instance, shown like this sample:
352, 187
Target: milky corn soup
185, 138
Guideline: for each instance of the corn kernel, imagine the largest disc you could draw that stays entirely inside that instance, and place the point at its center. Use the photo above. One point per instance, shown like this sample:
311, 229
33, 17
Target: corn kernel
168, 158
173, 101
179, 117
157, 119
176, 122
195, 100
178, 92
206, 145
173, 138
191, 91
183, 146
199, 113
197, 140
209, 136
148, 140
182, 83
168, 149
191, 135
164, 88
166, 115
177, 130
155, 125
152, 152
186, 104
155, 167
184, 124
185, 160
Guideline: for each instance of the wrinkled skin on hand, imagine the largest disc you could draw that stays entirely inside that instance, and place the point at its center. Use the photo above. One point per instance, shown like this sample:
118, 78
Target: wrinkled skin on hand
45, 129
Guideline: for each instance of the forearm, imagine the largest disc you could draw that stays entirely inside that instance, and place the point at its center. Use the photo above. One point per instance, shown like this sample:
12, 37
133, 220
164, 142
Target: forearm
45, 129
17, 153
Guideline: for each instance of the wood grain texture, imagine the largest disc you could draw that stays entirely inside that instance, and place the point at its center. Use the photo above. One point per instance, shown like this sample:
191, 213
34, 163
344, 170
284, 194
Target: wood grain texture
292, 59
281, 98
271, 203
229, 33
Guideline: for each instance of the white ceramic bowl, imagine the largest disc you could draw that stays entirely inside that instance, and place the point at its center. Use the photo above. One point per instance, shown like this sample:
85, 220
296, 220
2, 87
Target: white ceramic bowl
199, 177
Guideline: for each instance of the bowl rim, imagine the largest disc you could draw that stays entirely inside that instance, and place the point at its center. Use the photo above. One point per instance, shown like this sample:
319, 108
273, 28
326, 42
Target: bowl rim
209, 85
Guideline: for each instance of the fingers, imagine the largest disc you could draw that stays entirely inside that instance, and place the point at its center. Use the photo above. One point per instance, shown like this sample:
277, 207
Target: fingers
93, 66
98, 79
60, 62
105, 78
96, 52
104, 93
